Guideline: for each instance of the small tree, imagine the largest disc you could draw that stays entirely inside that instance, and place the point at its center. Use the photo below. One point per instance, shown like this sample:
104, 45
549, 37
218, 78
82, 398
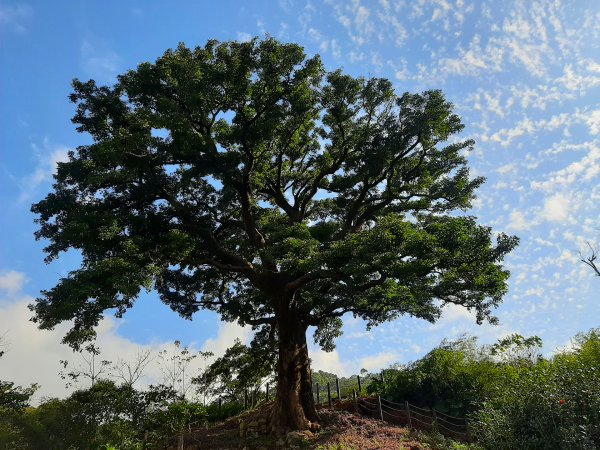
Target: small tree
243, 178
241, 368
90, 367
174, 367
516, 349
131, 371
13, 397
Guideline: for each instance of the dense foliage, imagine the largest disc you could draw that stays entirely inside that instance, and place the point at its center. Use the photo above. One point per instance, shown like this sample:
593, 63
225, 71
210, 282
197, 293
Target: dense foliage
245, 179
241, 372
513, 397
107, 415
552, 404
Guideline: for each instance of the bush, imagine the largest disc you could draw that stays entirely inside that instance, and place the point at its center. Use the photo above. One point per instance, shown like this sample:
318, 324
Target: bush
513, 397
553, 404
452, 378
227, 410
175, 418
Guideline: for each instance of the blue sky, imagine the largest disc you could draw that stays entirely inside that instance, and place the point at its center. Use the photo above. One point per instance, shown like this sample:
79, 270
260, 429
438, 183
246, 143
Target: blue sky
524, 76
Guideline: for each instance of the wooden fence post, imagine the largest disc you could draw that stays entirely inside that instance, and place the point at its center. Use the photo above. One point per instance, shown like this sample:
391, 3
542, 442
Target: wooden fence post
337, 388
380, 408
408, 412
329, 394
359, 385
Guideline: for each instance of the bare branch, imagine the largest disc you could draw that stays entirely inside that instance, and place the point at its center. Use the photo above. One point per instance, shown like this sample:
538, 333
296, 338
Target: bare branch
591, 260
131, 371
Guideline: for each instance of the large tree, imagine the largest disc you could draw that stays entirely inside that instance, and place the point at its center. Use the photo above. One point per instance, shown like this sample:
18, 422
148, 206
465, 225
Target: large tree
244, 179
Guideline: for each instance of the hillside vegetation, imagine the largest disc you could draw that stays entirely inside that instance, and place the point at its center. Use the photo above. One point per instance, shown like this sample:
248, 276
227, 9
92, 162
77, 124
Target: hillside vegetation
511, 395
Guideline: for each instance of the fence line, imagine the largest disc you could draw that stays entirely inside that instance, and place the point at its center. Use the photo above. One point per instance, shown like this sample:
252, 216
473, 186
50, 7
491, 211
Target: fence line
387, 410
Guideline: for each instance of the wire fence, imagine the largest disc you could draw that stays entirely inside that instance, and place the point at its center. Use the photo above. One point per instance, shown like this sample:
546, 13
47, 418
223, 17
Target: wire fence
413, 416
397, 413
332, 395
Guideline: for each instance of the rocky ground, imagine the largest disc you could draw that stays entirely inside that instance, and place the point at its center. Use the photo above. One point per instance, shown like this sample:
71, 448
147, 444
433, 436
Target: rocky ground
341, 430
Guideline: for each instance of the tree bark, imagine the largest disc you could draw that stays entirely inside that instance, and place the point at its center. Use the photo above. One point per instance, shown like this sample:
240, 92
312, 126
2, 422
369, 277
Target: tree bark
294, 407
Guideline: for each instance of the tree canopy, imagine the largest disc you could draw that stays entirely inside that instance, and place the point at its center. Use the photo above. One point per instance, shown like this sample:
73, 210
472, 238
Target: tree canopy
245, 179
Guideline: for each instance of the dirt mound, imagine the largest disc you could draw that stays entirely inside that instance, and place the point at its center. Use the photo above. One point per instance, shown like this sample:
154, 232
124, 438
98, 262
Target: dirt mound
340, 430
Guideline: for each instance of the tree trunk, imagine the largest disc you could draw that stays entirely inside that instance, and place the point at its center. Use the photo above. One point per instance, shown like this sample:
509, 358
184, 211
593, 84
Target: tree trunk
294, 407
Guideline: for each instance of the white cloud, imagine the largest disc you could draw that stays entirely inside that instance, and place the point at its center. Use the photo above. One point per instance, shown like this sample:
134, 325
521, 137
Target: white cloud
99, 61
226, 336
526, 42
377, 362
331, 361
286, 5
327, 361
33, 355
557, 208
243, 36
474, 60
398, 31
12, 281
400, 71
518, 222
452, 313
457, 320
527, 126
335, 49
576, 81
507, 168
539, 96
593, 122
583, 170
16, 16
48, 156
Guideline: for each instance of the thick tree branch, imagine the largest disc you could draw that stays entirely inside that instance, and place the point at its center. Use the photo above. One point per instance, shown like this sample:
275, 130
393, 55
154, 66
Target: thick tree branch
261, 321
230, 260
222, 266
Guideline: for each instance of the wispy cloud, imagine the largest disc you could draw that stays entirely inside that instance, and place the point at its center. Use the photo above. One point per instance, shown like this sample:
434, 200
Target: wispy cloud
242, 36
98, 60
12, 281
557, 208
15, 17
581, 170
48, 155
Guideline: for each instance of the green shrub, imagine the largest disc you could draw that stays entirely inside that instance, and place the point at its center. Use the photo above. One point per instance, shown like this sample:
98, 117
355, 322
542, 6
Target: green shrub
552, 404
452, 378
216, 414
